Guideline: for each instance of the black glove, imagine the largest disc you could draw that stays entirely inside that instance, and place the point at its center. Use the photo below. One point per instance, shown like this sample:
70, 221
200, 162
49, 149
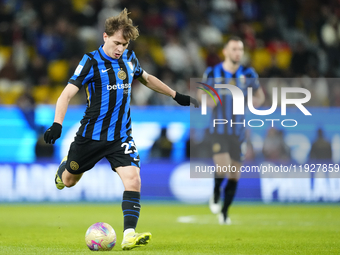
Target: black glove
53, 133
185, 100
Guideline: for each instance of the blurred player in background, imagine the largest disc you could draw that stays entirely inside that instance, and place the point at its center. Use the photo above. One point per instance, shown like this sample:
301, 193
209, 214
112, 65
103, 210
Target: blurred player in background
106, 75
227, 140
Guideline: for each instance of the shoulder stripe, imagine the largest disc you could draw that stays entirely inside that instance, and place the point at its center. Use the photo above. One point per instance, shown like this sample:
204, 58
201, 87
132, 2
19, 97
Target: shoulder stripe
84, 72
129, 53
90, 55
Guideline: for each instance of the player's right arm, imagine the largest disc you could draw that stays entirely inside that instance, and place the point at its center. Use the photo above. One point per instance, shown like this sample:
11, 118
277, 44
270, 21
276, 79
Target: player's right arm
82, 75
62, 103
54, 132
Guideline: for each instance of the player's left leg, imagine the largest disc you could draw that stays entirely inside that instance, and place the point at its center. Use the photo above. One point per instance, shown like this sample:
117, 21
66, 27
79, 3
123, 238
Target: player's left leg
229, 191
221, 157
131, 207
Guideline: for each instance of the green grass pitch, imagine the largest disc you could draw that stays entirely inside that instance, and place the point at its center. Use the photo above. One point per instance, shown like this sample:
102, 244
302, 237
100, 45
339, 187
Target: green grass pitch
256, 228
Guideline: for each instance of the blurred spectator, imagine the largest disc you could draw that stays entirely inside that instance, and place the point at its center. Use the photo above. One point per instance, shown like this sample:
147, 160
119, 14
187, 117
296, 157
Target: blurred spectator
73, 46
321, 148
153, 21
271, 30
37, 70
174, 17
330, 33
224, 5
49, 44
212, 56
221, 20
177, 57
6, 19
197, 62
250, 9
48, 14
26, 15
162, 147
274, 146
208, 34
248, 34
221, 16
9, 71
302, 60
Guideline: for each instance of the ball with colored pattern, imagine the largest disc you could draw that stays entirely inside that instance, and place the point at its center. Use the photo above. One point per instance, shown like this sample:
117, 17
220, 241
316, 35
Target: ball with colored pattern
100, 237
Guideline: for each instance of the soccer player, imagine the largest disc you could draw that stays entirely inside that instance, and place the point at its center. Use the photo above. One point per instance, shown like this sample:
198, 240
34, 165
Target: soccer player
227, 139
106, 75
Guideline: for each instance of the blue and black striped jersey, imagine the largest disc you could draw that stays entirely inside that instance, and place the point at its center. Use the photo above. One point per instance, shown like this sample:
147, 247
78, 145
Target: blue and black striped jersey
107, 84
243, 78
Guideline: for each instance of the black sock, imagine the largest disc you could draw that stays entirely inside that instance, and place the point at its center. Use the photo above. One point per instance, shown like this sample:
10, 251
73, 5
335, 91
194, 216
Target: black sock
218, 182
131, 208
61, 169
229, 194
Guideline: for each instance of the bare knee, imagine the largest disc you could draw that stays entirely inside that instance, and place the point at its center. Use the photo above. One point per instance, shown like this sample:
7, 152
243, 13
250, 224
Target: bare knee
130, 177
69, 179
69, 183
133, 183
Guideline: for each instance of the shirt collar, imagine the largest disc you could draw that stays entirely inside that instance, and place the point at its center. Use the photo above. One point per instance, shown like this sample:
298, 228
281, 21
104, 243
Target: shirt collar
104, 54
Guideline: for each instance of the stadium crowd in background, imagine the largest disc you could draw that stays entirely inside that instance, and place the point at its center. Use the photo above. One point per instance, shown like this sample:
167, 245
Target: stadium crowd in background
41, 42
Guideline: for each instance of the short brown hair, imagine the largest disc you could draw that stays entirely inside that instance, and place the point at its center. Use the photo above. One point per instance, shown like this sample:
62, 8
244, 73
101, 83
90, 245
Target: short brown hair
122, 21
233, 38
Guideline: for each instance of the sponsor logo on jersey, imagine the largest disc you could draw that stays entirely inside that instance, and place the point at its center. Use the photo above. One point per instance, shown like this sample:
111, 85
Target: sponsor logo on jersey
119, 86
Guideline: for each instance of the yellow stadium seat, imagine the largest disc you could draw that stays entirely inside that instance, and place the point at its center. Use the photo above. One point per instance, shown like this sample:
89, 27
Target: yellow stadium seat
261, 59
79, 5
58, 71
283, 58
41, 94
6, 52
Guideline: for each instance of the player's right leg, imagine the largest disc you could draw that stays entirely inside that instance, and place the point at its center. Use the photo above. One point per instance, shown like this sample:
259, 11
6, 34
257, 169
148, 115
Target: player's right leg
220, 159
84, 153
65, 178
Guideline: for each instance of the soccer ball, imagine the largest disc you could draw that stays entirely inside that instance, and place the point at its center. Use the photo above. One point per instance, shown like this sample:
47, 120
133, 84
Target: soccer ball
100, 237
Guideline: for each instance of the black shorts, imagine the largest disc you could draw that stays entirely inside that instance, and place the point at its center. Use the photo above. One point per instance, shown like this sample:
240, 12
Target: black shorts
84, 153
227, 144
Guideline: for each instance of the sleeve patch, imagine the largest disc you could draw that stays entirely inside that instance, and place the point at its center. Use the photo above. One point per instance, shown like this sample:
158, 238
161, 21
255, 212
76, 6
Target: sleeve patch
78, 69
130, 65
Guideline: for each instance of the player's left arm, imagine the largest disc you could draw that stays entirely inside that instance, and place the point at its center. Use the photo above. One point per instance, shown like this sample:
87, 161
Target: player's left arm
258, 97
157, 85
